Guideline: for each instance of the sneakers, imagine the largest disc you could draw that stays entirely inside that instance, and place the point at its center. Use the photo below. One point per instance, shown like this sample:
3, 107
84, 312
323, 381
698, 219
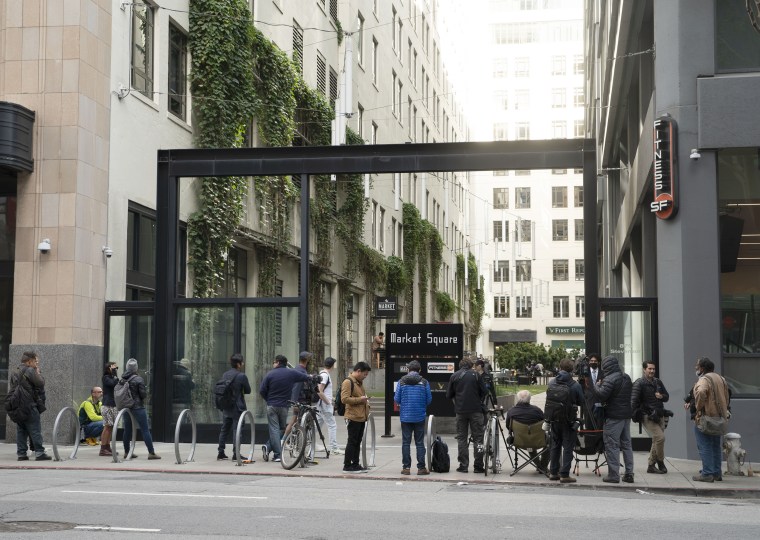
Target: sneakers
22, 458
662, 467
91, 441
567, 480
336, 451
276, 460
43, 457
264, 452
718, 477
479, 470
406, 472
221, 455
461, 469
654, 470
611, 480
354, 469
423, 471
703, 478
628, 478
154, 456
553, 477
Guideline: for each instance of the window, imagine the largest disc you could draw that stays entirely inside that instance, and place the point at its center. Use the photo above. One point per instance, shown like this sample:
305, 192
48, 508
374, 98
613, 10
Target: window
736, 49
578, 64
559, 129
325, 315
394, 29
409, 58
374, 224
559, 171
374, 133
298, 46
501, 271
526, 230
501, 198
333, 86
498, 231
578, 196
502, 100
523, 307
360, 40
558, 65
522, 197
400, 33
558, 98
360, 120
500, 131
501, 307
374, 61
578, 100
409, 117
395, 104
580, 269
394, 243
579, 230
561, 307
522, 67
414, 69
398, 92
142, 48
381, 232
559, 197
334, 10
321, 74
500, 68
561, 270
522, 271
580, 306
559, 230
413, 126
579, 129
177, 72
235, 279
523, 131
522, 100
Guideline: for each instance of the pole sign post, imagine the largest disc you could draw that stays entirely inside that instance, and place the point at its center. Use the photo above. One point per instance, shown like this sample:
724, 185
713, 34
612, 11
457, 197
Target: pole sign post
665, 203
437, 347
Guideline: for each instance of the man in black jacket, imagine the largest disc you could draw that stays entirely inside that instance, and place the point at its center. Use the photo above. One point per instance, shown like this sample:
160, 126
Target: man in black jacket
467, 390
28, 386
231, 416
139, 394
614, 392
648, 397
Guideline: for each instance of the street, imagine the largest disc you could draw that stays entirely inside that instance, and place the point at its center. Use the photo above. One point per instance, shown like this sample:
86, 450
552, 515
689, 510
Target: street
145, 505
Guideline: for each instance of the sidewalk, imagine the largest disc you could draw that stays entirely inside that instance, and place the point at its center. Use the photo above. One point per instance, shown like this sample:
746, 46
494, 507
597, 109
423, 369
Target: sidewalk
387, 466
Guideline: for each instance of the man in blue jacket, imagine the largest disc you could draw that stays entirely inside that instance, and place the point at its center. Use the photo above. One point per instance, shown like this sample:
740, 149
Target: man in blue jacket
413, 397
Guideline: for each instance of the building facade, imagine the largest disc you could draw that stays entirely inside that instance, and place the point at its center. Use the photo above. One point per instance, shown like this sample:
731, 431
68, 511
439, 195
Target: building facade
667, 84
109, 84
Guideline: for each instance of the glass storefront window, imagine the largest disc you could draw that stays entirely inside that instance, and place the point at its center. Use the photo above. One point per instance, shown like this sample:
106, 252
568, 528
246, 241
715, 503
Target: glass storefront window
737, 47
131, 336
739, 214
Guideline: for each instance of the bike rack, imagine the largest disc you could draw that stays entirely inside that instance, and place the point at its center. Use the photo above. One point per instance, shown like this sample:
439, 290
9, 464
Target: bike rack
189, 414
429, 439
115, 430
239, 433
369, 432
57, 424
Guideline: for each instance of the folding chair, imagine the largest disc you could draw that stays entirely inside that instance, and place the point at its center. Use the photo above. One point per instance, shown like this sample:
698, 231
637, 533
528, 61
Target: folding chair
529, 442
589, 445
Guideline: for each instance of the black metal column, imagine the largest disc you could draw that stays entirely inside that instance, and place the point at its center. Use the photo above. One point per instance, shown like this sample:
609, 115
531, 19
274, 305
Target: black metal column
303, 315
590, 248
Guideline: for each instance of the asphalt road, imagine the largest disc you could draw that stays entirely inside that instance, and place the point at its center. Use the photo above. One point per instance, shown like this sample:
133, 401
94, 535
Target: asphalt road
147, 505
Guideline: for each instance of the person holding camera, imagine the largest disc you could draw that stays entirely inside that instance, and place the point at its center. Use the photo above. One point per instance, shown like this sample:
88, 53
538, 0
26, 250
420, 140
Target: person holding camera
108, 409
647, 398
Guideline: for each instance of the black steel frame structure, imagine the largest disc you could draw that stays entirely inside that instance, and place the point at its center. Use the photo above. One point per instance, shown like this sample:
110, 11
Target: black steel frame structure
173, 165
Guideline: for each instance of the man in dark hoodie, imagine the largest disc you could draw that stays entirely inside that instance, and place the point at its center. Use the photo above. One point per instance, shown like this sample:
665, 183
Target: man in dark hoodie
139, 394
614, 392
467, 390
413, 397
564, 432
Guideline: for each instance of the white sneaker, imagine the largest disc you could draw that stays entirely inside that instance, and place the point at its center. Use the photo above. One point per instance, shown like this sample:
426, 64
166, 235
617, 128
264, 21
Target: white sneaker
336, 451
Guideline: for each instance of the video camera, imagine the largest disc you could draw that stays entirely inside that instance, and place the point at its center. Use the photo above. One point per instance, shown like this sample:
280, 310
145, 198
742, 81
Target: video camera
582, 369
310, 389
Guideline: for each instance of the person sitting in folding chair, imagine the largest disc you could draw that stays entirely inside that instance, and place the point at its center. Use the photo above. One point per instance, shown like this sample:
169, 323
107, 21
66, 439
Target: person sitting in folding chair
526, 435
563, 397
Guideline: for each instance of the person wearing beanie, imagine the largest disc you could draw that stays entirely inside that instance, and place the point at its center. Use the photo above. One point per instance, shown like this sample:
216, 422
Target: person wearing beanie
139, 393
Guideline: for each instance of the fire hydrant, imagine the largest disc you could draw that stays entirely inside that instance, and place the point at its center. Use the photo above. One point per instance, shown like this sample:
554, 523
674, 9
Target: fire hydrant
732, 448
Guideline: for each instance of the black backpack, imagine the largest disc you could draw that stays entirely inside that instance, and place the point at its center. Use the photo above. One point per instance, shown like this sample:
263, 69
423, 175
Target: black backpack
340, 407
122, 395
224, 399
559, 403
439, 456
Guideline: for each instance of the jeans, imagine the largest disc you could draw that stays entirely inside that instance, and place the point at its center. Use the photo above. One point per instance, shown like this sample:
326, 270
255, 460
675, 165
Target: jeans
472, 422
563, 441
141, 416
407, 428
228, 424
30, 428
657, 452
353, 444
617, 437
327, 417
93, 429
278, 420
709, 451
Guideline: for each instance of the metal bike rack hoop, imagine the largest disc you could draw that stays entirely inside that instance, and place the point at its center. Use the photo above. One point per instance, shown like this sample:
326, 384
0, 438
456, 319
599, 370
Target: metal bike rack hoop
369, 432
57, 424
429, 439
115, 430
239, 433
189, 414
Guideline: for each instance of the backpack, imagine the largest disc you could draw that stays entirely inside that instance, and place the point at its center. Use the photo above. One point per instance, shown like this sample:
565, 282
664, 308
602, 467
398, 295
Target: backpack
439, 456
18, 404
122, 395
340, 407
559, 403
224, 398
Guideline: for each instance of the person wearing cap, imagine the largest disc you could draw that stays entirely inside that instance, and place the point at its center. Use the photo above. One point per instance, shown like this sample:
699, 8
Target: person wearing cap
325, 405
413, 396
276, 388
139, 393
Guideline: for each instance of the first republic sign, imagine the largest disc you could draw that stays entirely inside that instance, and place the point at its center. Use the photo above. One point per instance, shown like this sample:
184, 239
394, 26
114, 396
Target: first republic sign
664, 205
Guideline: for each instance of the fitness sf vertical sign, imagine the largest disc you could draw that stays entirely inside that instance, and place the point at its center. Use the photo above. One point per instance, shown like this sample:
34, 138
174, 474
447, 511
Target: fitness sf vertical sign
664, 204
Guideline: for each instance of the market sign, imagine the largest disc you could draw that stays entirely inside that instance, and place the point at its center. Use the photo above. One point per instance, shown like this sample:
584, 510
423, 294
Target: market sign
386, 307
565, 330
665, 204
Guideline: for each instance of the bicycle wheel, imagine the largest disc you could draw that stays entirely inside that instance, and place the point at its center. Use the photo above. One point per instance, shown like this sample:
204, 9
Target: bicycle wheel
487, 445
496, 462
310, 437
292, 447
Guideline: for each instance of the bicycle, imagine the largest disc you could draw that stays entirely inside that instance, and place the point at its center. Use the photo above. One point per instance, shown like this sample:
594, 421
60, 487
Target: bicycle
491, 440
299, 442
